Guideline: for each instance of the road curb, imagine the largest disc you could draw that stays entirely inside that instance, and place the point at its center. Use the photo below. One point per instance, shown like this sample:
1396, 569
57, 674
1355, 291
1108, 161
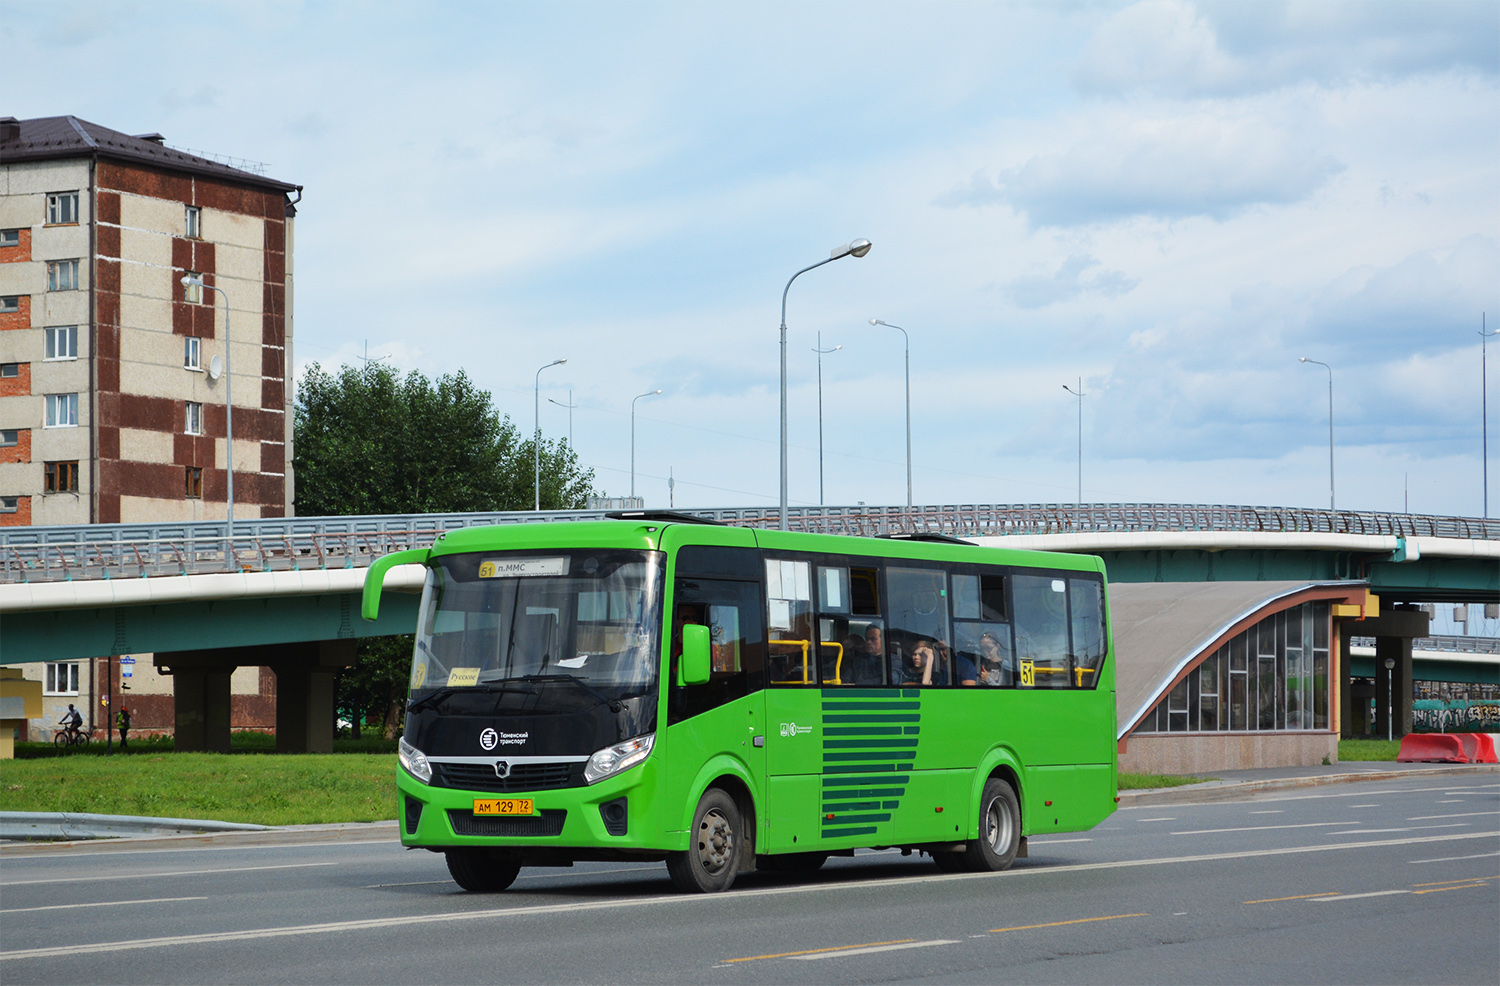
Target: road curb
177, 833
1211, 791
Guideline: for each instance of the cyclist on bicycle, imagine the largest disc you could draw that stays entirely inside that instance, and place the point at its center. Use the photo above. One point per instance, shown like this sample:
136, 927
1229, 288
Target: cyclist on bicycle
72, 721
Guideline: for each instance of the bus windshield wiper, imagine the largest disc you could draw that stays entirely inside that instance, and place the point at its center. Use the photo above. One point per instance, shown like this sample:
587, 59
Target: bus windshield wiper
614, 704
496, 688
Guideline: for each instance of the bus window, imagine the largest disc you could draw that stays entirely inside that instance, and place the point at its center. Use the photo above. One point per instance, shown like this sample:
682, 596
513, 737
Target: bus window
918, 613
1041, 608
864, 592
987, 646
731, 611
789, 622
1086, 607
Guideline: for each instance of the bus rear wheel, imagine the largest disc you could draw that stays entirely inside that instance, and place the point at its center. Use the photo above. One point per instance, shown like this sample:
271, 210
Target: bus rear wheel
716, 844
481, 871
999, 829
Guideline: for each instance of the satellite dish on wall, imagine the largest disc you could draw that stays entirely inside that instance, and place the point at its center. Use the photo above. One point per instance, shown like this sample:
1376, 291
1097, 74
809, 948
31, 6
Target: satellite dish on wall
216, 368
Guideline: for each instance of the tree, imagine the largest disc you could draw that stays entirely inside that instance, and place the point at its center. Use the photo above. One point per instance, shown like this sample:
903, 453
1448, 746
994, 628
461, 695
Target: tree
369, 441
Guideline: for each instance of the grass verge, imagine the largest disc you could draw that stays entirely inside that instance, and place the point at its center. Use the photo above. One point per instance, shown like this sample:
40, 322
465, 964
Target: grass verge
1365, 749
1137, 782
300, 789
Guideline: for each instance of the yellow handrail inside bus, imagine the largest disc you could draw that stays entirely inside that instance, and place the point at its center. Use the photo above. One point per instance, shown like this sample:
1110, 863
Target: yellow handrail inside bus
806, 646
838, 663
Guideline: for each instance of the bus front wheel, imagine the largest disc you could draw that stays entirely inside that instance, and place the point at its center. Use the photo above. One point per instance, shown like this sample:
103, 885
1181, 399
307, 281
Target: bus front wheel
999, 829
717, 842
481, 871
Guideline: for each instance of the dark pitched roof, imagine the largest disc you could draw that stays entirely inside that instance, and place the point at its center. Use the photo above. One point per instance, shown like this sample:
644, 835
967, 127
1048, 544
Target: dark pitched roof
52, 137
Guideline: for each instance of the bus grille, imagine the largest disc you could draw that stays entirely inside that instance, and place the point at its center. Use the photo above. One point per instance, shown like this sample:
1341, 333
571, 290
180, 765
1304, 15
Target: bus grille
468, 823
522, 777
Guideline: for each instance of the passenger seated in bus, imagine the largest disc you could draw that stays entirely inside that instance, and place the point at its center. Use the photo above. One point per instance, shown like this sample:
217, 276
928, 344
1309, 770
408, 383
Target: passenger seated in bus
921, 666
963, 668
994, 669
868, 658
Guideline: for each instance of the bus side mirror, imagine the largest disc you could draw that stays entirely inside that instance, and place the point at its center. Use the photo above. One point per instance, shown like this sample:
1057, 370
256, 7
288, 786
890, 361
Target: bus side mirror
375, 578
693, 667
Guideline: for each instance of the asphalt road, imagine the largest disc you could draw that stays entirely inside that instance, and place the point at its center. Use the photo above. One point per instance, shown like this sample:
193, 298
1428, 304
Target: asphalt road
1371, 882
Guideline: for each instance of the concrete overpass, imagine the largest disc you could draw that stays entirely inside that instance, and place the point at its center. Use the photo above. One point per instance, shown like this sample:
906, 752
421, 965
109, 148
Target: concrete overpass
284, 593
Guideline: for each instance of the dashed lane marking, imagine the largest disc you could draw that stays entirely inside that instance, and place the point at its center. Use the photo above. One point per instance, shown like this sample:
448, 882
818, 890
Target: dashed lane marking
1273, 900
815, 951
1373, 893
1409, 828
875, 948
1265, 828
157, 876
1059, 924
1458, 814
1455, 859
97, 903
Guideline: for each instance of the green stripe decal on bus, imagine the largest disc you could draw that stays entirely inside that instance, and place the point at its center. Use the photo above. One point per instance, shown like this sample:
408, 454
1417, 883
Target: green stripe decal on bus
877, 736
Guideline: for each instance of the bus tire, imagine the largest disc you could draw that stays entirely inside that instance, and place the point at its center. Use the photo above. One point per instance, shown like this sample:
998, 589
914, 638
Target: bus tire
715, 846
480, 871
999, 829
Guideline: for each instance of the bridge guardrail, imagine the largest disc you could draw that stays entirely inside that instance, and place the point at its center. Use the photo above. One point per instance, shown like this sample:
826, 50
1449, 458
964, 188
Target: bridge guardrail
95, 551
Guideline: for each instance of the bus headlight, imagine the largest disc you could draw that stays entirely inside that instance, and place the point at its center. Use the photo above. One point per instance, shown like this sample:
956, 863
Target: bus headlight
414, 760
622, 756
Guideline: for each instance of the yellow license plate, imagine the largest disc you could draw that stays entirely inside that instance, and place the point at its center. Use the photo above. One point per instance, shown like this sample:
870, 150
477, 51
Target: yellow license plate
503, 806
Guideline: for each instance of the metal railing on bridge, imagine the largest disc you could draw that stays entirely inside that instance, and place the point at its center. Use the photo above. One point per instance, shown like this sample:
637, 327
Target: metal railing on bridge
95, 551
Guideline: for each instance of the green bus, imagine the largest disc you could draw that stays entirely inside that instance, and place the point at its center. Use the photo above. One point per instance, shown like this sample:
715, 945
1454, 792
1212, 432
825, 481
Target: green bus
725, 699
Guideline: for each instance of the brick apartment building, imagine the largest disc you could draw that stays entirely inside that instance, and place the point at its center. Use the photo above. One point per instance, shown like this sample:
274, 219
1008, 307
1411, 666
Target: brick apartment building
112, 373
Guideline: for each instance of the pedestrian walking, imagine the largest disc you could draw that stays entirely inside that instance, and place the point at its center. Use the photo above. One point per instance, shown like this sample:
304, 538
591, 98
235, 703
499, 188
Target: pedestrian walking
122, 720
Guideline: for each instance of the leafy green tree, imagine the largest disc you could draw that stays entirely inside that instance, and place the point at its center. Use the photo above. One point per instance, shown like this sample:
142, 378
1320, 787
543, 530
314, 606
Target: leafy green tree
371, 441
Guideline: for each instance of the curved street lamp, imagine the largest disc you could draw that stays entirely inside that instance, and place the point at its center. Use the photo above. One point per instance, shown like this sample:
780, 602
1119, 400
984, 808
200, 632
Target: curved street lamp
821, 353
876, 321
536, 442
1484, 409
1304, 359
571, 408
649, 393
188, 281
1080, 395
854, 248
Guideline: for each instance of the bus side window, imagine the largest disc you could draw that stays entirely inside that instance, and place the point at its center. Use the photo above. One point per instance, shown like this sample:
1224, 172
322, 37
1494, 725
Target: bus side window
1086, 608
791, 636
1041, 622
918, 602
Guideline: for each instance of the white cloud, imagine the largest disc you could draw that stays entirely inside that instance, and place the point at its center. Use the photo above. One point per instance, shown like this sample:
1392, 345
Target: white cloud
1076, 276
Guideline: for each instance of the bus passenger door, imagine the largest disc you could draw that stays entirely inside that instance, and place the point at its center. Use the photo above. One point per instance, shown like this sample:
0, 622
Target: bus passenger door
794, 713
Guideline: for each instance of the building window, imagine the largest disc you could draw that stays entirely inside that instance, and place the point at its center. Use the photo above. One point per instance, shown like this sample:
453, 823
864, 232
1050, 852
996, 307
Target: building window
192, 353
62, 207
194, 483
193, 293
194, 222
10, 237
10, 369
10, 303
62, 342
10, 437
62, 679
62, 411
62, 477
62, 275
193, 420
9, 504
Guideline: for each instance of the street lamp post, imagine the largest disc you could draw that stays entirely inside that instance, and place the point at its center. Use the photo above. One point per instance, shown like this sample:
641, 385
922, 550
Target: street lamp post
1304, 359
821, 353
189, 282
536, 441
854, 248
1390, 666
1484, 410
649, 393
571, 408
876, 321
1080, 395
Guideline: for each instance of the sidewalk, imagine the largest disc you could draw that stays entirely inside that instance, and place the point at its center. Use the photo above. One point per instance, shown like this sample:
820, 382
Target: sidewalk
30, 833
1231, 785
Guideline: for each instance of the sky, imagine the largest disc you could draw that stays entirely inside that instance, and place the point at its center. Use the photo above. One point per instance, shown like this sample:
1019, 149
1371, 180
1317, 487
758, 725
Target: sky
1166, 203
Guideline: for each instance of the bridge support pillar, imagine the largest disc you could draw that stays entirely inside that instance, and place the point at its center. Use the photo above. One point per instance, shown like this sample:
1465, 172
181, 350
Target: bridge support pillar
1394, 632
201, 724
305, 694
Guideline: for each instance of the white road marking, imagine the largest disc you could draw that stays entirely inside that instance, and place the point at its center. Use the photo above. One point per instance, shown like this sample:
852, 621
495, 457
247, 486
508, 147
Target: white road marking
1273, 799
1409, 828
1264, 828
97, 903
1054, 842
1456, 814
871, 950
70, 854
1172, 819
1453, 801
1364, 806
1373, 893
1455, 859
157, 876
696, 900
1273, 811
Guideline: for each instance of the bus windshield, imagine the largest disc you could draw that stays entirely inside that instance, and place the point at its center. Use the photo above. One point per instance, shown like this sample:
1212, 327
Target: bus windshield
548, 632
